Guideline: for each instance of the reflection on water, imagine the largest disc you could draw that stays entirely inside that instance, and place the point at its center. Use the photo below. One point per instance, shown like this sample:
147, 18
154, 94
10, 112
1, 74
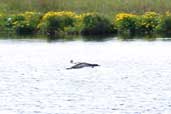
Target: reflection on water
134, 77
59, 38
97, 38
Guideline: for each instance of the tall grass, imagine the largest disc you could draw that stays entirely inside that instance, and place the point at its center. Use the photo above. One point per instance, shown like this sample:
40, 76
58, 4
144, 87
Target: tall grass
106, 7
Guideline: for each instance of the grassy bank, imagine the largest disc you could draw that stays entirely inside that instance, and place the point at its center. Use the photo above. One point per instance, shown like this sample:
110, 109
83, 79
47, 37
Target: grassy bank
47, 17
106, 7
57, 24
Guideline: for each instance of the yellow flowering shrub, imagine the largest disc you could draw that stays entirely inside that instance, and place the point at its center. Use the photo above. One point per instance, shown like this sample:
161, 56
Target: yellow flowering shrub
125, 22
150, 15
53, 22
58, 14
148, 22
122, 16
77, 25
24, 23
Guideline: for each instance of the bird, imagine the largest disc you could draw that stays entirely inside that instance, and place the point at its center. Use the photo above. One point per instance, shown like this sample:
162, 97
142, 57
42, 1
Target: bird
81, 65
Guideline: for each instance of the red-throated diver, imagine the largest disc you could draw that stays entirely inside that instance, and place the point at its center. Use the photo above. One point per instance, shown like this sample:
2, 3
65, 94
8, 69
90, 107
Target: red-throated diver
82, 65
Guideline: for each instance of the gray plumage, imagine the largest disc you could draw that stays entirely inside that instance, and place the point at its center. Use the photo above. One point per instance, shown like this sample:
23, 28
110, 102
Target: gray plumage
82, 65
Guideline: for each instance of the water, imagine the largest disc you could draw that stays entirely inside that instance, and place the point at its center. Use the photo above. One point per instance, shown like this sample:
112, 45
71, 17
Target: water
134, 77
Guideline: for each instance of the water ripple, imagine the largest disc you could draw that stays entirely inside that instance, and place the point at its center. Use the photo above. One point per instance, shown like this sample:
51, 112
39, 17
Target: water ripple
134, 78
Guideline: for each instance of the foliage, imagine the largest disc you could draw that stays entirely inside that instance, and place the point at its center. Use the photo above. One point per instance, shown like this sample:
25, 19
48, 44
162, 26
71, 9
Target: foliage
67, 22
53, 22
24, 23
165, 25
104, 7
77, 25
125, 22
94, 24
2, 21
148, 22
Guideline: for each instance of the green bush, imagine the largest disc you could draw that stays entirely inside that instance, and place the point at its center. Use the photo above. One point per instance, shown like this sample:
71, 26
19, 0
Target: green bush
94, 24
66, 22
24, 23
165, 25
2, 21
12, 20
148, 22
24, 27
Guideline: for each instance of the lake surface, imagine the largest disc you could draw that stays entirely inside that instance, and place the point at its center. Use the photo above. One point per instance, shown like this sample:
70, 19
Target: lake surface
134, 77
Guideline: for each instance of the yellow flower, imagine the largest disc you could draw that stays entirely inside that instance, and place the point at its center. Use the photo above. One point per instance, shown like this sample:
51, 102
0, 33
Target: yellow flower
168, 13
58, 14
15, 23
122, 16
150, 15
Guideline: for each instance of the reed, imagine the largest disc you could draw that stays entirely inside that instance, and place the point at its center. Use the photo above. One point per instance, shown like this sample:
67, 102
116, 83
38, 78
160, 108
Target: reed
106, 7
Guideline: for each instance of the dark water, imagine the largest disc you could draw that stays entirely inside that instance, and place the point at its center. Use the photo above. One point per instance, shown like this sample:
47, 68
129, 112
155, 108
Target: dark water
134, 77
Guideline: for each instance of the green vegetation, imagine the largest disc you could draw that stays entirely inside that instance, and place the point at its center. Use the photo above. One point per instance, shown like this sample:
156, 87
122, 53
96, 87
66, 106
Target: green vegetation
106, 7
54, 23
165, 24
24, 23
144, 24
96, 25
70, 23
85, 17
125, 23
